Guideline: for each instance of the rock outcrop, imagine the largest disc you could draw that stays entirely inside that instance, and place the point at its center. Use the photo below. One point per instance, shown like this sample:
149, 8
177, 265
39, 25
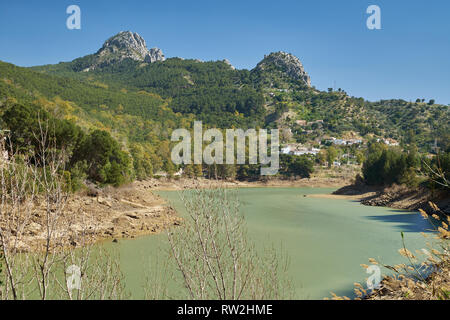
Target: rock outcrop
154, 54
287, 64
229, 63
124, 45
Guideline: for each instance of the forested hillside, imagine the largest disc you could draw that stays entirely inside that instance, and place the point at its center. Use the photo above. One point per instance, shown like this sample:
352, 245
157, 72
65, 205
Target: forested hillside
272, 94
213, 91
139, 101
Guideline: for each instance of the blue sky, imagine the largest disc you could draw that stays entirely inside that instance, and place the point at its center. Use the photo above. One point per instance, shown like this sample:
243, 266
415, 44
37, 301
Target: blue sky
408, 58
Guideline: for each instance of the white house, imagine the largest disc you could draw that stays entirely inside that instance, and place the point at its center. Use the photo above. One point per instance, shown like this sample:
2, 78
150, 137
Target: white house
299, 150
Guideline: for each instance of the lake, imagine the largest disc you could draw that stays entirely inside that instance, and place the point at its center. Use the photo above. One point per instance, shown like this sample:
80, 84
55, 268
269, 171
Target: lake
326, 239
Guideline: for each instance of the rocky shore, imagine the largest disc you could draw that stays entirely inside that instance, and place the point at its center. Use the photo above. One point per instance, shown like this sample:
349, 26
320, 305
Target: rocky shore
95, 215
396, 196
186, 183
135, 209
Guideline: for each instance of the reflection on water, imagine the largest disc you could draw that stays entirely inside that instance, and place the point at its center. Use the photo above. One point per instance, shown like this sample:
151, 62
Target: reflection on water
326, 239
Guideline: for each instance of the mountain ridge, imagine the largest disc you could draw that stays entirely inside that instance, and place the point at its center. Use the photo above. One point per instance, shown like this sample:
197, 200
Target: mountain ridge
128, 45
277, 92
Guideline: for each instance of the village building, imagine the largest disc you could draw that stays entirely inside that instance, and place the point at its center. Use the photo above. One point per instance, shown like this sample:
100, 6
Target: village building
299, 150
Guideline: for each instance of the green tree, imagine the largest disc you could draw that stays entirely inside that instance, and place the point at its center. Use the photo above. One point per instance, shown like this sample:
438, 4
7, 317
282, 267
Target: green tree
296, 166
198, 170
332, 154
188, 171
142, 161
108, 164
321, 157
301, 167
226, 171
385, 166
359, 156
169, 168
26, 122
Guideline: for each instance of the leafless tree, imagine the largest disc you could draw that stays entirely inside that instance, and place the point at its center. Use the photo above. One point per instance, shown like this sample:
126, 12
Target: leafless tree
437, 175
215, 256
34, 194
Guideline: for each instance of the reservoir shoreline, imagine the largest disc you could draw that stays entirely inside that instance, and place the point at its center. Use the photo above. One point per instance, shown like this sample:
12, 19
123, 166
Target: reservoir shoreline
137, 210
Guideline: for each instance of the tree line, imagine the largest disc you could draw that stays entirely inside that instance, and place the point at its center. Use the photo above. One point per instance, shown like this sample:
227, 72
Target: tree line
386, 165
96, 155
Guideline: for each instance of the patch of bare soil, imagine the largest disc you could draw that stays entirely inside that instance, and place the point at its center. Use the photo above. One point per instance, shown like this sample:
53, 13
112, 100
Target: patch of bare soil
356, 197
110, 213
186, 183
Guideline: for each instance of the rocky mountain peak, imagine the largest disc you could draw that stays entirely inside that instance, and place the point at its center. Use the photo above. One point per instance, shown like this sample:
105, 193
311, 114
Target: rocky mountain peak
125, 45
287, 63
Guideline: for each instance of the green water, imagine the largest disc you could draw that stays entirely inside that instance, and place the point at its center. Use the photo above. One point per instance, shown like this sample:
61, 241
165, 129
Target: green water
326, 239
